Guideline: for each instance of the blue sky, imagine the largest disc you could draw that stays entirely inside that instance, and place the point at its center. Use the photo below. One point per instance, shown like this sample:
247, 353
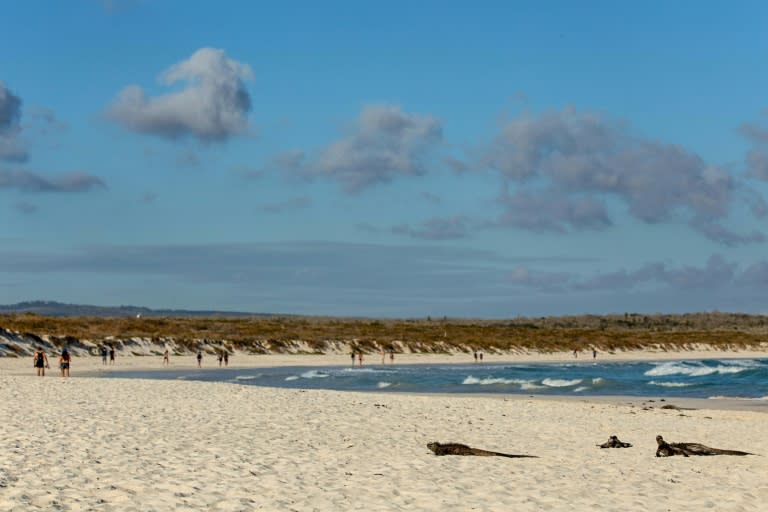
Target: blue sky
398, 159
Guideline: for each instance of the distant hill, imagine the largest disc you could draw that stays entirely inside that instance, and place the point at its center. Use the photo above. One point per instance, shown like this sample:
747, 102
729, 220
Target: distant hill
58, 309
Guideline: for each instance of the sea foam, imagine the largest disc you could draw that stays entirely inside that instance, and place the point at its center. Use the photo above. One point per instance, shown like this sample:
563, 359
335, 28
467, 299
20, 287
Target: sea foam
247, 377
669, 384
560, 383
488, 381
314, 374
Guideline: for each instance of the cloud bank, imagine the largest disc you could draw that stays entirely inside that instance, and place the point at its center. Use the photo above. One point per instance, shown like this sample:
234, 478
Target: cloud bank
213, 104
405, 281
716, 274
562, 165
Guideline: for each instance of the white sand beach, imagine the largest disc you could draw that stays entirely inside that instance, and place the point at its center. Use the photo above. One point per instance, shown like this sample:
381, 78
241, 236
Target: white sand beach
122, 444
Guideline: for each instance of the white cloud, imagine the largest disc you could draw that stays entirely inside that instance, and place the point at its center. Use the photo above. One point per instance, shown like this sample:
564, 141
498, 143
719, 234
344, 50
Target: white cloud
385, 143
212, 106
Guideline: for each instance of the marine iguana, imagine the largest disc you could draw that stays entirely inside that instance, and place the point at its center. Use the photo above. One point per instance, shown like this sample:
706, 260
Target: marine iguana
462, 449
613, 442
666, 449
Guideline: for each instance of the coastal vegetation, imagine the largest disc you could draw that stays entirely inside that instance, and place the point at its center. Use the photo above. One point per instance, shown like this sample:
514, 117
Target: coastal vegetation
267, 334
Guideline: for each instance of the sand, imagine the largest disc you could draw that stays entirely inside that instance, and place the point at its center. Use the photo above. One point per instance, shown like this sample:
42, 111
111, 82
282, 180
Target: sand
86, 443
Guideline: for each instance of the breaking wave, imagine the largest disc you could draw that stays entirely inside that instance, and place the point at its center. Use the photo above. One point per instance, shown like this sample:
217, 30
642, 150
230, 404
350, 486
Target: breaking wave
699, 369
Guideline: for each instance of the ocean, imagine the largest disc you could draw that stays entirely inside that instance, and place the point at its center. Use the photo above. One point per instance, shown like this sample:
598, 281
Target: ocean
725, 378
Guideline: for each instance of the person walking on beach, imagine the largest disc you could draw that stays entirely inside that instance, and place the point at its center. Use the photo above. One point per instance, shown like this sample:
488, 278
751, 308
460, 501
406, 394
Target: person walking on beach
594, 354
221, 359
475, 355
391, 357
226, 358
111, 354
64, 362
360, 357
199, 359
166, 358
40, 361
352, 355
104, 355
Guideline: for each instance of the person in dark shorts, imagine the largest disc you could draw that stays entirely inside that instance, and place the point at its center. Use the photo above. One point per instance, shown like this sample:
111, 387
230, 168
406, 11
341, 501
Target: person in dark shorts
64, 361
199, 359
111, 354
40, 361
226, 358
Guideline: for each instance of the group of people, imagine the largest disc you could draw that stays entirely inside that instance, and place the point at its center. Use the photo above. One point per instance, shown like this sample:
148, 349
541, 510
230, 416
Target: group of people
576, 353
40, 359
223, 357
40, 362
104, 353
358, 355
384, 354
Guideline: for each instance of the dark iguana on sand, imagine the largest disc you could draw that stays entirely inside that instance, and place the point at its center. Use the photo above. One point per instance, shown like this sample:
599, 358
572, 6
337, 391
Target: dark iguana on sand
462, 449
613, 442
666, 449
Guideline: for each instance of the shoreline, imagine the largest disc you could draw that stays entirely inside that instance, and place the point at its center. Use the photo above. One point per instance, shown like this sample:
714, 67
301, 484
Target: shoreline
85, 367
15, 365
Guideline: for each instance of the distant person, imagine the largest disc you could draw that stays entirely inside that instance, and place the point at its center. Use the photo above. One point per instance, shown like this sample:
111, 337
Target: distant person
199, 359
226, 358
480, 354
111, 354
391, 357
575, 353
103, 355
64, 361
221, 359
594, 354
352, 355
382, 355
475, 354
40, 361
166, 358
360, 357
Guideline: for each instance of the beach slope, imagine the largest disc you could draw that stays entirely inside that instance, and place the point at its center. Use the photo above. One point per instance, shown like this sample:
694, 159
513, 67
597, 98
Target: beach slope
120, 444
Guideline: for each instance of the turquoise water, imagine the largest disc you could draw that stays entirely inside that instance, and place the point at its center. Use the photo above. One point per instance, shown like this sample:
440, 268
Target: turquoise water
737, 378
